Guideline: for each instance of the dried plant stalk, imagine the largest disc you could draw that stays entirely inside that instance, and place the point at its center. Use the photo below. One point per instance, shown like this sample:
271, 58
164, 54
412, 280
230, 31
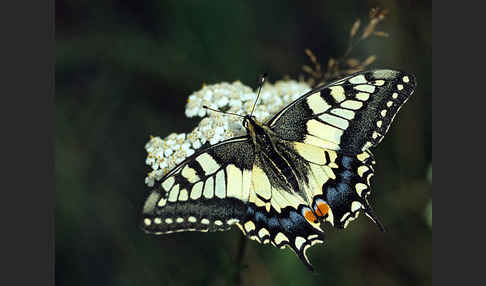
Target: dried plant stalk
345, 65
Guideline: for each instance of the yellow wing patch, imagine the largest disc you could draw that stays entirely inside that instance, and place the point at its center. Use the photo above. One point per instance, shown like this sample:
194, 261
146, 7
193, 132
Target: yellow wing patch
310, 153
324, 131
271, 196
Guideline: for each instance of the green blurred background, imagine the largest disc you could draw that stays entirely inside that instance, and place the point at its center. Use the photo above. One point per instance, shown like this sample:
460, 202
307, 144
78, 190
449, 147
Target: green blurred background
124, 70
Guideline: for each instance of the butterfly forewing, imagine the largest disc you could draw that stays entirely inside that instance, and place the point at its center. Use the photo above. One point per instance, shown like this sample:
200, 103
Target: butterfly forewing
206, 192
350, 115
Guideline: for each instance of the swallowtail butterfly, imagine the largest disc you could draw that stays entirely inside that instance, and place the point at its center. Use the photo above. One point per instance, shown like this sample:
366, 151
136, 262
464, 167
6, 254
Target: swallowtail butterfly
311, 163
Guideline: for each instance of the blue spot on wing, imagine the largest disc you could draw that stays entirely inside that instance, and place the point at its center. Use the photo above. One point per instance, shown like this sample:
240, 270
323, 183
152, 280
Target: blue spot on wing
273, 222
347, 176
296, 217
347, 162
343, 188
260, 218
286, 224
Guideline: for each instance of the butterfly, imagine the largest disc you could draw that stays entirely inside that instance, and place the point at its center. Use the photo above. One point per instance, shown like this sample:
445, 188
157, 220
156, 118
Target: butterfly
309, 165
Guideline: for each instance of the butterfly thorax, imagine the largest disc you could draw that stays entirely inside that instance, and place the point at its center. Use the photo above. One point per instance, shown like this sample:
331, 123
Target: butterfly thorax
260, 134
269, 155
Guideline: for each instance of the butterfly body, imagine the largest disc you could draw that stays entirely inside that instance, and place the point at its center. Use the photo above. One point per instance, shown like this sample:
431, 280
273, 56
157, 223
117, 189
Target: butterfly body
271, 157
309, 165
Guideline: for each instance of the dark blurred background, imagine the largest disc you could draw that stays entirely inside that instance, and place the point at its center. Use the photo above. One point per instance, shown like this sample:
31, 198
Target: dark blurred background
124, 70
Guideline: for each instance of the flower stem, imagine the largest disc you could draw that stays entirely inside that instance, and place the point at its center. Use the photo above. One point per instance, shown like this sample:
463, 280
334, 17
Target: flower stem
239, 259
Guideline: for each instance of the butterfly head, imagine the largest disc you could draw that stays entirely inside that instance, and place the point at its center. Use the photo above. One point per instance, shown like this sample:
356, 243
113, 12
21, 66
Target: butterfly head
254, 128
250, 122
248, 119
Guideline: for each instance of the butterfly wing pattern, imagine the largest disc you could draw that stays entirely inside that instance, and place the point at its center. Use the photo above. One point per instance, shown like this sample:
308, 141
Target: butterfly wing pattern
214, 189
349, 116
206, 192
314, 168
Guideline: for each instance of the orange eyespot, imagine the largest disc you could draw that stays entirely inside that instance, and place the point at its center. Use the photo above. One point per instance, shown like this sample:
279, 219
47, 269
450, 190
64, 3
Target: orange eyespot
321, 208
309, 215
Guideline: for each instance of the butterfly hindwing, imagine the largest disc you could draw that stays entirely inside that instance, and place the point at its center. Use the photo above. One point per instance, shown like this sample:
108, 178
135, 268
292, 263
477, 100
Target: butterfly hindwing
346, 195
275, 213
350, 115
338, 184
286, 228
206, 192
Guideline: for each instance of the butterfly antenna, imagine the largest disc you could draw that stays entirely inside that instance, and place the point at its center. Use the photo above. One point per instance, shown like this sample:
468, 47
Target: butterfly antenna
224, 112
261, 81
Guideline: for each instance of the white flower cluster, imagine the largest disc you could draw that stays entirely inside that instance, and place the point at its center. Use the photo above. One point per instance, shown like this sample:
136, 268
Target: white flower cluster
165, 154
